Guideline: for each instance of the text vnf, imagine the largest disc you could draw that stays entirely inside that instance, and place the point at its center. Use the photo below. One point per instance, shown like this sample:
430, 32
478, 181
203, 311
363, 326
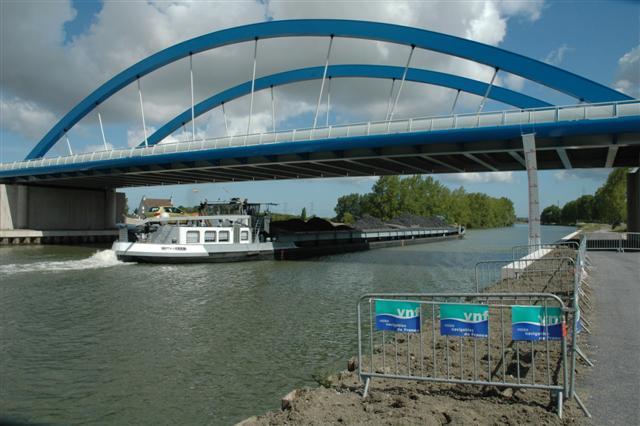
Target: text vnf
476, 316
548, 319
408, 313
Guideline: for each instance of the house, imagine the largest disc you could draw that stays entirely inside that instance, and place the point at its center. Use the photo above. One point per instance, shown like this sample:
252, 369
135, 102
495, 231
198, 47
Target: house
147, 203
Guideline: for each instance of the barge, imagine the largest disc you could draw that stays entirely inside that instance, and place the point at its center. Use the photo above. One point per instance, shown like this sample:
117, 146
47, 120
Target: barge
240, 232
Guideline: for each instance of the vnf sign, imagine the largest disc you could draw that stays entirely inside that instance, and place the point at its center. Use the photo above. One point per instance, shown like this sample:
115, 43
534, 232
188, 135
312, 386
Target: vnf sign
536, 323
464, 320
396, 316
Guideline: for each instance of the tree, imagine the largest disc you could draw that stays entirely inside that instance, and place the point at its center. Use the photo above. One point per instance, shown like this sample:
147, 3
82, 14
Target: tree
585, 206
392, 196
569, 214
610, 203
551, 215
348, 218
351, 204
303, 214
385, 198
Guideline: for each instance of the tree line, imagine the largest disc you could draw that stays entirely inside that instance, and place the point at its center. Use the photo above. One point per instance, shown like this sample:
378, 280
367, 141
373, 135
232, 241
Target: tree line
392, 196
607, 205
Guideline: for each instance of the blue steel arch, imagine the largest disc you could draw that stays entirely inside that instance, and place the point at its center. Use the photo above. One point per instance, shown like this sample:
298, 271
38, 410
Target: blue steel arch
464, 84
514, 63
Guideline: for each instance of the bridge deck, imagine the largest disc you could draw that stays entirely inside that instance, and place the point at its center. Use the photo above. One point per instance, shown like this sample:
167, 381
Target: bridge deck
578, 136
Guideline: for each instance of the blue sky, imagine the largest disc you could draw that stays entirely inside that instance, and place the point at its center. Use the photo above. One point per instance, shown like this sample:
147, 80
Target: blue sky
586, 37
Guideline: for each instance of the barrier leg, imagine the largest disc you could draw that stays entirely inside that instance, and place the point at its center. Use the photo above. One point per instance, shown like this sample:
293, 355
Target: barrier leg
582, 406
366, 387
559, 400
583, 356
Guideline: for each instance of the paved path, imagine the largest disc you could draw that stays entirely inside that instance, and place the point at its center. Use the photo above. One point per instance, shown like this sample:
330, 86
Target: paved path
614, 382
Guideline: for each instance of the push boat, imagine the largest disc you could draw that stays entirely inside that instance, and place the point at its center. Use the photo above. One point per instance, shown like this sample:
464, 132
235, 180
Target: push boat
234, 232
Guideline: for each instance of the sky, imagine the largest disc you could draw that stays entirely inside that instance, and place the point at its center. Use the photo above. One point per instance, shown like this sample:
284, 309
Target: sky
54, 53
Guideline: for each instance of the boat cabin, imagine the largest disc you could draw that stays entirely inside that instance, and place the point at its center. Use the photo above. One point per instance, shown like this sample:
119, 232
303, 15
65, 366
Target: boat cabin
214, 235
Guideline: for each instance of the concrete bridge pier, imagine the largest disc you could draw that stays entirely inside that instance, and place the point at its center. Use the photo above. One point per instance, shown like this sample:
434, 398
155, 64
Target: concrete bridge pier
633, 200
529, 146
32, 213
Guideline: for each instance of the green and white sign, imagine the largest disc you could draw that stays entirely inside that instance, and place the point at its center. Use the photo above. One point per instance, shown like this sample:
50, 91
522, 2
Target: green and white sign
398, 316
464, 320
536, 323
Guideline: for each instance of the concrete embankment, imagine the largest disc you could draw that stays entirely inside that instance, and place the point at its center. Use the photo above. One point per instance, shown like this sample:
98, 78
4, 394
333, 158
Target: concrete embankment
30, 236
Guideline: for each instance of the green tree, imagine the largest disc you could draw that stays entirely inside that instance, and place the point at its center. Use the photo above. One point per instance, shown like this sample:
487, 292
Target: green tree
551, 215
303, 214
424, 196
386, 198
351, 204
585, 206
348, 218
569, 214
610, 203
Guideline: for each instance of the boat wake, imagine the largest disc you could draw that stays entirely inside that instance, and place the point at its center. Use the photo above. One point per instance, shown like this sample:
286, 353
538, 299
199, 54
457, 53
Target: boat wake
100, 259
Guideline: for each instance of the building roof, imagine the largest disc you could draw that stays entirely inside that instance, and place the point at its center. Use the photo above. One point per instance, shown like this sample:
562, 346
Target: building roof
155, 202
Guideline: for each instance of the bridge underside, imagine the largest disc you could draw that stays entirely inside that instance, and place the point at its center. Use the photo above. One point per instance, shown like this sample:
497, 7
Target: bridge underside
346, 157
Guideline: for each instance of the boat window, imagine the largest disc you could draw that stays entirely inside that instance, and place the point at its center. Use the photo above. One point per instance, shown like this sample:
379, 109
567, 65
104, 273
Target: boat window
223, 236
154, 209
193, 237
244, 236
209, 236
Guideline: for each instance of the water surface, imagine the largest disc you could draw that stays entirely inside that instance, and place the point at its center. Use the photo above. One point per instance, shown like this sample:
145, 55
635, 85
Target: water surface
87, 339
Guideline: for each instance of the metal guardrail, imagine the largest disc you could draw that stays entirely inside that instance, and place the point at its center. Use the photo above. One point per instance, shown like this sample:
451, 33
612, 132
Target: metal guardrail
484, 339
595, 111
615, 241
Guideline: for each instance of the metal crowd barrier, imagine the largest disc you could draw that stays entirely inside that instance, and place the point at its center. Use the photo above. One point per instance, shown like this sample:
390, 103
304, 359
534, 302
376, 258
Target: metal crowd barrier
513, 340
616, 241
545, 275
563, 276
556, 274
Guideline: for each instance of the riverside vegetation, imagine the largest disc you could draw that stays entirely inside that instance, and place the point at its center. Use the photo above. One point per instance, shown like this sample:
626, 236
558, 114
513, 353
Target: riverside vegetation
392, 196
607, 205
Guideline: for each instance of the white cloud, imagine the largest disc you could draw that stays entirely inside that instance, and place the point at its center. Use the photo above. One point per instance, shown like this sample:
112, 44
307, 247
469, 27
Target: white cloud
126, 32
25, 117
511, 81
598, 175
485, 177
628, 75
556, 56
528, 9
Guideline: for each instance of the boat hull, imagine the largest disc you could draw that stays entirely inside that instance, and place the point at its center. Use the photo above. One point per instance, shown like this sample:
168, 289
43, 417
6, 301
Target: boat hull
188, 253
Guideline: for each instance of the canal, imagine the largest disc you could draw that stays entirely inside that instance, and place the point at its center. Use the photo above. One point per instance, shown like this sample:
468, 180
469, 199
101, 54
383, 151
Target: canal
86, 339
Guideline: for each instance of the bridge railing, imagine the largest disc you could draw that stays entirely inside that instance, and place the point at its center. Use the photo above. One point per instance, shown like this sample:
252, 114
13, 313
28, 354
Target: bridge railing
597, 111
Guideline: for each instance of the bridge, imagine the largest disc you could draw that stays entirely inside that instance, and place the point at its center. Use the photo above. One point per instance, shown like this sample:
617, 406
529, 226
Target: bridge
600, 129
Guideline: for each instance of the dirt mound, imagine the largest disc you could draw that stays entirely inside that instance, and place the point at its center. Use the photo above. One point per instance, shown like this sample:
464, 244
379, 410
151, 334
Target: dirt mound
405, 220
369, 222
315, 224
412, 220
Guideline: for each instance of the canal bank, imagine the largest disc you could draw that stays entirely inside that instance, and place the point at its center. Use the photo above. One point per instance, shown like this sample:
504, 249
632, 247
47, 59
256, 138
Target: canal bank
340, 399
